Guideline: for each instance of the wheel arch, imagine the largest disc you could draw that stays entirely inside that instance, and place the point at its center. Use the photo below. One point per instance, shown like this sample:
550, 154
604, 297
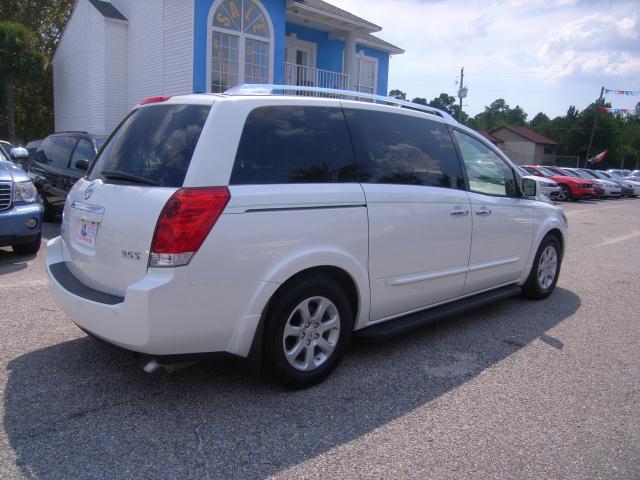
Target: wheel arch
357, 300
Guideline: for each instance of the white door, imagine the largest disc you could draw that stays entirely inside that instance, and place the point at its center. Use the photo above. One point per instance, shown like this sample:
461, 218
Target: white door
502, 220
419, 214
301, 58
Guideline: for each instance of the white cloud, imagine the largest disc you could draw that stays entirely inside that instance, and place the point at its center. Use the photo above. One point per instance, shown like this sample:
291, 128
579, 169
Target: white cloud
594, 45
542, 54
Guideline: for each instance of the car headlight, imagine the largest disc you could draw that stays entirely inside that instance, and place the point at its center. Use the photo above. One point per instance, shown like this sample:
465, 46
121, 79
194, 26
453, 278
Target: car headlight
25, 192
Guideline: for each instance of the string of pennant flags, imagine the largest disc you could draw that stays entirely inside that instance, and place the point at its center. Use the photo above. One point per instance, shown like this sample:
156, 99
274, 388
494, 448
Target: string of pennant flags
625, 112
628, 93
616, 111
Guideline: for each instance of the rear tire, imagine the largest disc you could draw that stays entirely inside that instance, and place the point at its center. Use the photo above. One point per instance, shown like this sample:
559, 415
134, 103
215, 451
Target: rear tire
28, 248
307, 332
545, 271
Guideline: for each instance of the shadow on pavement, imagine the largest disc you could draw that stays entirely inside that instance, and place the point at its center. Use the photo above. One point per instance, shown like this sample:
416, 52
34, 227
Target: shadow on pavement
83, 410
11, 262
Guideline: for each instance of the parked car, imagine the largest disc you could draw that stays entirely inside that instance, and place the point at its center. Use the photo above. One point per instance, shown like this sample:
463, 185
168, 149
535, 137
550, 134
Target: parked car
20, 214
629, 187
272, 227
610, 189
59, 161
598, 192
635, 175
571, 187
619, 173
548, 187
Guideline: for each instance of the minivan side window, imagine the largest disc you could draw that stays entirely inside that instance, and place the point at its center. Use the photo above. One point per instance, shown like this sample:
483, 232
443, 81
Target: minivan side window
487, 172
294, 144
402, 149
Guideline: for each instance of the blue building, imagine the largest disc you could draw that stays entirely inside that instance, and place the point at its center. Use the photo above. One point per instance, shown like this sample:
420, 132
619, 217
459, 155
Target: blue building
112, 54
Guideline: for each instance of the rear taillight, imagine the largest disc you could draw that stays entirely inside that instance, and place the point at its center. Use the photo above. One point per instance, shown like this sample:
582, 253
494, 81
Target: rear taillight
185, 221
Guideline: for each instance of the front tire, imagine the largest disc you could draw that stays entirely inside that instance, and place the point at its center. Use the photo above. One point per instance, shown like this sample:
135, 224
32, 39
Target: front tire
30, 248
565, 194
307, 332
545, 271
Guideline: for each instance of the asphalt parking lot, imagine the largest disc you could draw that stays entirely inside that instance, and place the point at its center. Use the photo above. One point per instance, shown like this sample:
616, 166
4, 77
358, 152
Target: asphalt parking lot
518, 389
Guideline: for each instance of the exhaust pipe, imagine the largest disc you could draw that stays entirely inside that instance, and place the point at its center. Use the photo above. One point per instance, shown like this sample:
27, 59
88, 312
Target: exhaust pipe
151, 366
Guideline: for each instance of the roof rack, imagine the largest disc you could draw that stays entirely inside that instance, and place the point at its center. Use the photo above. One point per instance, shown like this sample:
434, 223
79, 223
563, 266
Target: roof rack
266, 89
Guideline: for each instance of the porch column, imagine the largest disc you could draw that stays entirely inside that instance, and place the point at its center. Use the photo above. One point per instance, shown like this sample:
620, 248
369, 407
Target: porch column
350, 58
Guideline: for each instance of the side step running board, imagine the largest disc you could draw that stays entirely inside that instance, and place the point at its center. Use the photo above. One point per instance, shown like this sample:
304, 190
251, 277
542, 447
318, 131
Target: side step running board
391, 328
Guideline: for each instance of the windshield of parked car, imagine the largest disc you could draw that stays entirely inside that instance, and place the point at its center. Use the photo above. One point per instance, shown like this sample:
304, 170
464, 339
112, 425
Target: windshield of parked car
152, 146
544, 171
100, 142
570, 173
587, 174
603, 175
3, 156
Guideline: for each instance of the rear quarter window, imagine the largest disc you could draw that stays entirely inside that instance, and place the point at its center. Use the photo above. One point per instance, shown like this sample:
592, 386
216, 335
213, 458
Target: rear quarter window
154, 144
402, 149
294, 144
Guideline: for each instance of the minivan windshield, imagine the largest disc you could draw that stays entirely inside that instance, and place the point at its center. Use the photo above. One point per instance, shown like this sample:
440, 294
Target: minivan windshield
152, 146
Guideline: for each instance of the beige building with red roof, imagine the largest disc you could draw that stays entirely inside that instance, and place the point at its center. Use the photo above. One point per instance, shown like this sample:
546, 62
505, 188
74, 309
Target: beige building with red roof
522, 145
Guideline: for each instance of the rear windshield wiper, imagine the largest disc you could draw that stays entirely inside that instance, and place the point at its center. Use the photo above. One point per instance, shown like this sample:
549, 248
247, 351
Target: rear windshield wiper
118, 175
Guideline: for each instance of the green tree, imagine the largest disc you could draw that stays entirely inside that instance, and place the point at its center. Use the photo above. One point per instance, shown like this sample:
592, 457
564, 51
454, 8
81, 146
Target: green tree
33, 101
20, 63
398, 94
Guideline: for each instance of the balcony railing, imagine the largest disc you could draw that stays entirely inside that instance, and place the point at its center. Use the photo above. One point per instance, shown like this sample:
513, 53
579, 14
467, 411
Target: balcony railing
314, 77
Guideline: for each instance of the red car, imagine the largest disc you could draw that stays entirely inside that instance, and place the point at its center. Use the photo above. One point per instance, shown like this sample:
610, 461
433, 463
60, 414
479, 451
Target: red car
573, 188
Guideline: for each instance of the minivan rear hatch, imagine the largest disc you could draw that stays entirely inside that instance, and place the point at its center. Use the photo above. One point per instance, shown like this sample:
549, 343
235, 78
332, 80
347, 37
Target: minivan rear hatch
111, 214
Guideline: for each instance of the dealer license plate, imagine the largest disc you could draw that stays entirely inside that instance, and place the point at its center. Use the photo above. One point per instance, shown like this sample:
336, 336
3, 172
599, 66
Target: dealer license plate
87, 233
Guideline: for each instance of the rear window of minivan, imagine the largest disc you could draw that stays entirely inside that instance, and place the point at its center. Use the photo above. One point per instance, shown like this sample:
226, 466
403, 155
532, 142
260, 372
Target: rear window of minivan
152, 146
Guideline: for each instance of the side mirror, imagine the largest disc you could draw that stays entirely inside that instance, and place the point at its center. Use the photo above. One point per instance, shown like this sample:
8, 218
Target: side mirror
82, 164
529, 187
19, 153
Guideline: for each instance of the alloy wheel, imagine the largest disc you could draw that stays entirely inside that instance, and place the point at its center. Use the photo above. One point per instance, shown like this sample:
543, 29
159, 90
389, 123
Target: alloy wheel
547, 267
311, 333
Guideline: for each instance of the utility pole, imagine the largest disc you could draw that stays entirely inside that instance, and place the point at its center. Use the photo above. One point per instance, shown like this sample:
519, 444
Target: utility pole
593, 129
462, 92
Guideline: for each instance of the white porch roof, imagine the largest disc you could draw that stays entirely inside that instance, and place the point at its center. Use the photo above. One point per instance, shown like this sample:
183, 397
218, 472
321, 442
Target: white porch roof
323, 16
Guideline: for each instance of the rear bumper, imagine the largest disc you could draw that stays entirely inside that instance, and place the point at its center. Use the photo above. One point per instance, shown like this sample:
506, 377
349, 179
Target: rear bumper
162, 314
13, 224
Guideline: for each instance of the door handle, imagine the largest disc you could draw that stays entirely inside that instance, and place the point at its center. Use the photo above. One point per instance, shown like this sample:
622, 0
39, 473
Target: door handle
483, 211
459, 211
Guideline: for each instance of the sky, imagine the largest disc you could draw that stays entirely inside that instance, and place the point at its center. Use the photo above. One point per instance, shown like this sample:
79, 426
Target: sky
543, 55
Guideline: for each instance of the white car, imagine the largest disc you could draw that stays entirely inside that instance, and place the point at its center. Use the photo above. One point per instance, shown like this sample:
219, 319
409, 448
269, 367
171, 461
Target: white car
271, 227
549, 188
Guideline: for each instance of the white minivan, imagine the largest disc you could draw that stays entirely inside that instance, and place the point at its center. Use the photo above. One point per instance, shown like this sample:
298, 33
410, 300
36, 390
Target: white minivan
272, 227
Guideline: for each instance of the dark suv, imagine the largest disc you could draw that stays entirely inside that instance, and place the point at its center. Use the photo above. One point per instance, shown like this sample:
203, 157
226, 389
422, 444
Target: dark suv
61, 159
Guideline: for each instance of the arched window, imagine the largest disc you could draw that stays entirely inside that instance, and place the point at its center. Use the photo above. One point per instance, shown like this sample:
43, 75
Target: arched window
240, 44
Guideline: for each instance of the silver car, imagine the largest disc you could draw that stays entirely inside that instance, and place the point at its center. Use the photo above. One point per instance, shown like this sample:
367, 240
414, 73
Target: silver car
629, 188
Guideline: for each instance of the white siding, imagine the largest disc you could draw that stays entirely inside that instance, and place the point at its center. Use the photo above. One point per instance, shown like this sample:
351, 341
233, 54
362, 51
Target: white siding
178, 47
97, 81
71, 74
116, 59
145, 49
104, 67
